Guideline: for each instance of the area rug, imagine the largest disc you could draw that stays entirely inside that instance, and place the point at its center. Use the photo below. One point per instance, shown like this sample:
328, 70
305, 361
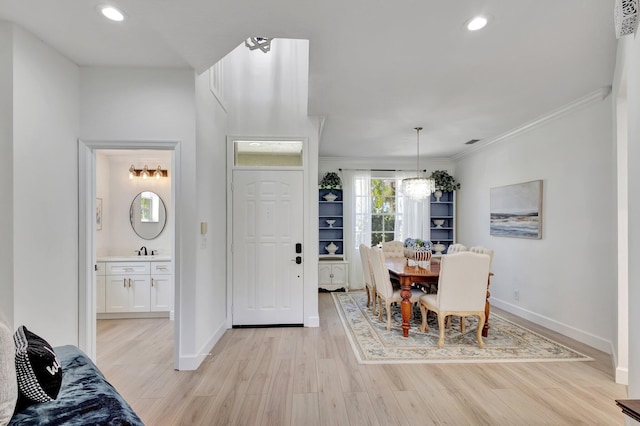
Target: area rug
507, 341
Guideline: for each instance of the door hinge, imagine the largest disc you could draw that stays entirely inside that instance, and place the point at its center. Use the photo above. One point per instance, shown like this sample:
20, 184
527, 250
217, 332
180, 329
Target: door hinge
95, 267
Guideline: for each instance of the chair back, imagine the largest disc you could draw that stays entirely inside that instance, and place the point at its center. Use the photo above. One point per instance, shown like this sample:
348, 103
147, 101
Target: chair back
393, 249
483, 250
456, 248
462, 285
380, 272
366, 269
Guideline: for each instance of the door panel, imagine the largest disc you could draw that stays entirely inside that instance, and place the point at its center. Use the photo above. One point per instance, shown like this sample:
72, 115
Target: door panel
267, 214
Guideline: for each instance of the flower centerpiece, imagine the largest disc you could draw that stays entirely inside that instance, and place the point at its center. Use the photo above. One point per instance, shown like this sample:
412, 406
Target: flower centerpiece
444, 182
417, 252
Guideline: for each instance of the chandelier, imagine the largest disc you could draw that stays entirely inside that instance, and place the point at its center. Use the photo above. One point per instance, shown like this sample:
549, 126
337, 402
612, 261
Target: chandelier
418, 188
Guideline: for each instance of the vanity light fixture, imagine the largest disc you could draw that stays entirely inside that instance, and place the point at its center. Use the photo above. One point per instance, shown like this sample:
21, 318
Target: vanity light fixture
418, 188
112, 13
477, 23
144, 173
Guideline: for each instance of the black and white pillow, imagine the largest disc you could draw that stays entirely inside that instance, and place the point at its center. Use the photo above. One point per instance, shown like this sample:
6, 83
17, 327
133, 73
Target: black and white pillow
37, 367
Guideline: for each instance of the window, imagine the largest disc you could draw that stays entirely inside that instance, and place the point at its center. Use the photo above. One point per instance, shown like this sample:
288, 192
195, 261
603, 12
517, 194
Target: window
386, 211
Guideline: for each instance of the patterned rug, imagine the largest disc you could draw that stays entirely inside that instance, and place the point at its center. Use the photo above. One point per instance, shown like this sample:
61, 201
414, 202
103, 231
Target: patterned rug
507, 341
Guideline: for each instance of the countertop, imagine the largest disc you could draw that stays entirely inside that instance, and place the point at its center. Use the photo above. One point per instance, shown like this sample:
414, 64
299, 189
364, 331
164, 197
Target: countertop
155, 258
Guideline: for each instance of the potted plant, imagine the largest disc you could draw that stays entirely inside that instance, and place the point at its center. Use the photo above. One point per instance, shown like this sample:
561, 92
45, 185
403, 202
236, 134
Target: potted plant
331, 180
444, 183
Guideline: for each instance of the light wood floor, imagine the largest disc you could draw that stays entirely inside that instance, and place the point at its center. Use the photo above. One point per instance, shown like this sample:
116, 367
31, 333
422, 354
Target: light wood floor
309, 376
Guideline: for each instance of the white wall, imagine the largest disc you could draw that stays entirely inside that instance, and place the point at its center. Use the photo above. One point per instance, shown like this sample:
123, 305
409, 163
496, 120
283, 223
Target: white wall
566, 280
45, 190
126, 104
117, 237
267, 97
631, 54
6, 173
211, 251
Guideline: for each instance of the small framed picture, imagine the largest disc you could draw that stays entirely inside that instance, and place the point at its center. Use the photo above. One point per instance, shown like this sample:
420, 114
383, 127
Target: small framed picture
98, 214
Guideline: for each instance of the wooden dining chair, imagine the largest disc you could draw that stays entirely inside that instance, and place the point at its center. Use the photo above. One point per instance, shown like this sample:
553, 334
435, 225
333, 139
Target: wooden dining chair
462, 291
369, 283
384, 290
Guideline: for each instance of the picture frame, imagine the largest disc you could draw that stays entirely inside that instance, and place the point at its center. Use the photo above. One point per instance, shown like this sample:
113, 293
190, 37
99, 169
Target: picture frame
98, 214
516, 210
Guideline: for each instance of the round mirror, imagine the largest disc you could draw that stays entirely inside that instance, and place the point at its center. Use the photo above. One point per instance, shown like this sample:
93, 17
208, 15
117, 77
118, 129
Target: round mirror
148, 215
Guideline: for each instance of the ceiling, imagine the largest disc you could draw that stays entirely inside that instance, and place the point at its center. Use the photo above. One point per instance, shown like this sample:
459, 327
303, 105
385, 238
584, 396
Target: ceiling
377, 68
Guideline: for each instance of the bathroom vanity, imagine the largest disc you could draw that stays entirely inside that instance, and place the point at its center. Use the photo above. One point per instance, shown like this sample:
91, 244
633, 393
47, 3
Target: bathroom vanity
134, 285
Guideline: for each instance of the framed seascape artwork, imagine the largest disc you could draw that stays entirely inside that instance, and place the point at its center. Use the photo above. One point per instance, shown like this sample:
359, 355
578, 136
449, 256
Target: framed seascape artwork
98, 214
516, 210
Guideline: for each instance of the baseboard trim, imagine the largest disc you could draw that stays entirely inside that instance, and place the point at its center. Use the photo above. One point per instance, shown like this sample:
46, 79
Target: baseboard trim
192, 362
313, 321
622, 376
564, 329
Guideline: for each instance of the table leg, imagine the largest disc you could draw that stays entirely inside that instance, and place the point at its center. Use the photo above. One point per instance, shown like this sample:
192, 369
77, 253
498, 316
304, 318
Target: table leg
487, 311
405, 306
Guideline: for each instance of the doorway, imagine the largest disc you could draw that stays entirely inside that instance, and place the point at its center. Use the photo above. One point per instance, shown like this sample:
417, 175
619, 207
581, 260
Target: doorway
87, 258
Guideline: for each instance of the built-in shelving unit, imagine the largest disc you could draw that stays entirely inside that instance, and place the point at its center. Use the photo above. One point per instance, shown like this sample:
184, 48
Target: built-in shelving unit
333, 269
444, 210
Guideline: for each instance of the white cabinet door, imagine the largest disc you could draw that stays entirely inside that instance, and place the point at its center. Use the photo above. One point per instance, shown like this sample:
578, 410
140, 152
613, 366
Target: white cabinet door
161, 293
100, 294
139, 293
339, 272
324, 274
116, 293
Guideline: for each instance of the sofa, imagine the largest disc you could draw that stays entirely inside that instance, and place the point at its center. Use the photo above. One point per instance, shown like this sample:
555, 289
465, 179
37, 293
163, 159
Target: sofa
84, 396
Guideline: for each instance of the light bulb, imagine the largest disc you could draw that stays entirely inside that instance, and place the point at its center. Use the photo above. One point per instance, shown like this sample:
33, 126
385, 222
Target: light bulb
112, 13
132, 172
477, 23
145, 173
158, 173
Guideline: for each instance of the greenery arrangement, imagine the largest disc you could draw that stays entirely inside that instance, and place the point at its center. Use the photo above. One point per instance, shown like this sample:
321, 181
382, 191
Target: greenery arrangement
444, 181
331, 180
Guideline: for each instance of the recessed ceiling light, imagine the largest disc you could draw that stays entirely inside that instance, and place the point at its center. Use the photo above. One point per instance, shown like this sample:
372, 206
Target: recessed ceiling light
477, 23
254, 144
112, 13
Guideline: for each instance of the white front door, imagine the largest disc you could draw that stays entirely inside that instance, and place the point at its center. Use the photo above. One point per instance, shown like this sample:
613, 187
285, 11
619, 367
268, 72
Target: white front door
267, 226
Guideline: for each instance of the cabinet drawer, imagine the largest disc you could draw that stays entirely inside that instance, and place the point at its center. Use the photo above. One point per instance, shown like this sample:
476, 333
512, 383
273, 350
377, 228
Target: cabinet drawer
127, 268
100, 268
161, 268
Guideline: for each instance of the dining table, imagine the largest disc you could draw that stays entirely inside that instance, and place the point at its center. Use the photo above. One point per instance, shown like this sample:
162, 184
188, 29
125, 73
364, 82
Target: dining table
400, 270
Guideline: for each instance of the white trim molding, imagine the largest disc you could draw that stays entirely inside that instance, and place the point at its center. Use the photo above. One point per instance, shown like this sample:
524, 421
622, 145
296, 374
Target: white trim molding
595, 96
564, 329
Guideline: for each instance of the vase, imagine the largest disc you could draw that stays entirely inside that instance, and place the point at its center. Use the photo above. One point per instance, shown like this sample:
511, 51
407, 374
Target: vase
422, 256
330, 196
331, 248
438, 195
439, 248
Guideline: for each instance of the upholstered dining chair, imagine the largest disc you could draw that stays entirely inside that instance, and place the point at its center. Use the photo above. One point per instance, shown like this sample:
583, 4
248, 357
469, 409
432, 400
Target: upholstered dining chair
456, 248
483, 250
384, 290
370, 285
393, 249
462, 291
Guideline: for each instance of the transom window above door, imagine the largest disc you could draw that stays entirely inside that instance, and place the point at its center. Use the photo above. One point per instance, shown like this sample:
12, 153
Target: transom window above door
268, 153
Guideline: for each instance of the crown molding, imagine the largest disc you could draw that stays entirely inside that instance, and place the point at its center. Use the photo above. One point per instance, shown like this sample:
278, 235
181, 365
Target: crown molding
595, 96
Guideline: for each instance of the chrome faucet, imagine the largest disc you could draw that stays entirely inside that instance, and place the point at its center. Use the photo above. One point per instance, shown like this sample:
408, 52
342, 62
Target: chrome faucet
140, 251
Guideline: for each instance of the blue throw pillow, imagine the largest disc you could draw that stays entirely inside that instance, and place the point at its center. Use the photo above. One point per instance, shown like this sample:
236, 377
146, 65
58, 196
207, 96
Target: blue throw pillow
37, 367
